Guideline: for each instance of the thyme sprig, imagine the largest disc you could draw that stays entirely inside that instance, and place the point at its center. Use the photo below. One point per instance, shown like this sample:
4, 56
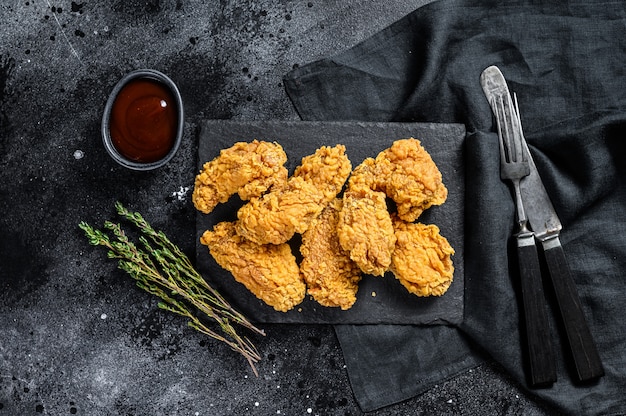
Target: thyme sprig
159, 267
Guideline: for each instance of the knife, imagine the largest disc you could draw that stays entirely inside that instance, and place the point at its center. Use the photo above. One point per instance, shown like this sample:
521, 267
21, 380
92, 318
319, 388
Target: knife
514, 167
546, 226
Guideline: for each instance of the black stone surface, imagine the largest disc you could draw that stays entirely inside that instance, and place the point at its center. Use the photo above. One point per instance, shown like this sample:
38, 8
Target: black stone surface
76, 335
379, 299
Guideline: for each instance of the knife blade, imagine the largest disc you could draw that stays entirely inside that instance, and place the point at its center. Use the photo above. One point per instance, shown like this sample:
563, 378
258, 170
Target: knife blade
547, 227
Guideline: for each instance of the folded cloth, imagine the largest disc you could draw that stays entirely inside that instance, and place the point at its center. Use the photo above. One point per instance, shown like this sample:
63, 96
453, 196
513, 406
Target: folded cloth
565, 61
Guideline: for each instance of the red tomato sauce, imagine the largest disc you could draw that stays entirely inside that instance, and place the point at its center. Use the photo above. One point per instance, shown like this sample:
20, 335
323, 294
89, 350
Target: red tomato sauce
144, 120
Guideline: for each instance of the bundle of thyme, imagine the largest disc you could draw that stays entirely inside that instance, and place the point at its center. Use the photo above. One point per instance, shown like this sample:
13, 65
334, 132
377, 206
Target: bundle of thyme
159, 267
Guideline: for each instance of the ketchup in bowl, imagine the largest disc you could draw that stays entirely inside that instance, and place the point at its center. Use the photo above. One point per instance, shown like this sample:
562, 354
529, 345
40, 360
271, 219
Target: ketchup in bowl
142, 125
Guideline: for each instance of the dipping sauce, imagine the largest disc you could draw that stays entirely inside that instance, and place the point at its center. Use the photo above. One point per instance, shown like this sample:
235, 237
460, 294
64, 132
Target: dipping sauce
144, 120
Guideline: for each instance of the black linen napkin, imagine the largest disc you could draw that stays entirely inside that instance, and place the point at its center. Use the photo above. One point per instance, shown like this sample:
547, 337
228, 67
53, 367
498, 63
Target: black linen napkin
565, 61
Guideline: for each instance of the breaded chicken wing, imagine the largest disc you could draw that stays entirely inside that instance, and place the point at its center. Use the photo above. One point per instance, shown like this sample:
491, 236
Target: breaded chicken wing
277, 215
327, 169
409, 176
330, 275
422, 259
248, 169
406, 173
270, 272
365, 229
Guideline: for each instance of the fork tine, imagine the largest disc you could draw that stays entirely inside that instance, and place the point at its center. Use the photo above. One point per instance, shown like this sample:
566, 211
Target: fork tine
507, 136
518, 148
503, 156
514, 142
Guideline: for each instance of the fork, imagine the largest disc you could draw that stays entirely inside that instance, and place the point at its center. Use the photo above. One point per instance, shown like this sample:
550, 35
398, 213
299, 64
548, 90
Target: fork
514, 167
513, 163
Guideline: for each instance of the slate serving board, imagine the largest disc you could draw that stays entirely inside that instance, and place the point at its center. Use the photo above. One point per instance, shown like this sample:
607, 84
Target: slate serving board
379, 299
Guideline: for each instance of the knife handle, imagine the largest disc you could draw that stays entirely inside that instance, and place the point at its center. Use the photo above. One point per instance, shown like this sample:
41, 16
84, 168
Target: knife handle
541, 354
582, 345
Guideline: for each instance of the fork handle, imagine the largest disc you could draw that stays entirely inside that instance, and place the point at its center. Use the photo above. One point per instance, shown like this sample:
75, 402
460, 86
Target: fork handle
541, 355
582, 345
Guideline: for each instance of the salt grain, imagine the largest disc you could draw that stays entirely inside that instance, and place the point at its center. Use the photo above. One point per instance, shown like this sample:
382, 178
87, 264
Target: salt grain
181, 194
103, 316
78, 154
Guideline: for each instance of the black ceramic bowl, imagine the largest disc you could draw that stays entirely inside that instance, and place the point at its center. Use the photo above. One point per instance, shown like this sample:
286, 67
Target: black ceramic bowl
156, 123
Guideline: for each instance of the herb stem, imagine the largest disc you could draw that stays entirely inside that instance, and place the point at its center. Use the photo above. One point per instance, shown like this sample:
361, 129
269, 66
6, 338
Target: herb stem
159, 267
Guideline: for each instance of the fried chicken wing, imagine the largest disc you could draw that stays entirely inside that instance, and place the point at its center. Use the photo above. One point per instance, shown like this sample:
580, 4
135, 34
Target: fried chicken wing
404, 172
277, 215
409, 176
270, 272
330, 275
327, 169
422, 259
248, 169
364, 228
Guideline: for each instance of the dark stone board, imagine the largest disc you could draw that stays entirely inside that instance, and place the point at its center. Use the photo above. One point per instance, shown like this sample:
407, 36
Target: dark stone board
391, 303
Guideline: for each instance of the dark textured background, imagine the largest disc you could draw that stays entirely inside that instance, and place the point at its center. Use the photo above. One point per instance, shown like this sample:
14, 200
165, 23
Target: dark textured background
76, 335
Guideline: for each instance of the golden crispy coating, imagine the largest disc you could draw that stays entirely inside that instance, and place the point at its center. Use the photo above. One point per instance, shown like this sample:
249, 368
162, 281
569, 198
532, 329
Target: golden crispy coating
408, 175
276, 216
341, 237
365, 229
268, 271
422, 259
404, 172
364, 175
327, 169
279, 214
331, 277
248, 169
